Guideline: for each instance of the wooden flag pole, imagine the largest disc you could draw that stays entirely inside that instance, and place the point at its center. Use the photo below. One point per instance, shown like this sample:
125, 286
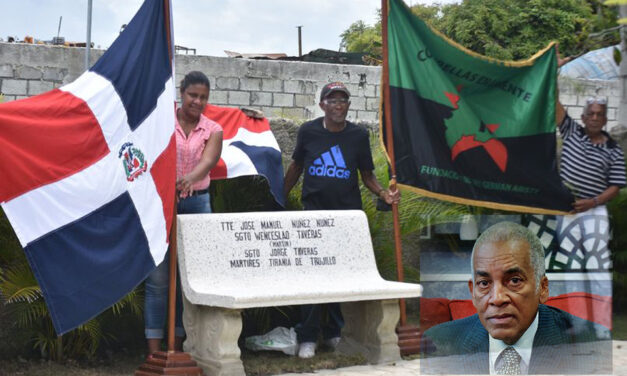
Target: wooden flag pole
171, 362
172, 282
408, 335
173, 247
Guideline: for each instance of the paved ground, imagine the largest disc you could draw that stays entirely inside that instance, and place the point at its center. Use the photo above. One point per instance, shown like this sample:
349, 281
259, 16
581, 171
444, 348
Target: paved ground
412, 368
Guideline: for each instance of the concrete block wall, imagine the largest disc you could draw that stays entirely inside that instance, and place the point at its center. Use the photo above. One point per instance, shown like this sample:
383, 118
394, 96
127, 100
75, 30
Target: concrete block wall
574, 92
27, 70
282, 89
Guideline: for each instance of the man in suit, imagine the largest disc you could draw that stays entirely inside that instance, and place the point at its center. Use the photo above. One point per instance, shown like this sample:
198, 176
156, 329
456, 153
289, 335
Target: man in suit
513, 332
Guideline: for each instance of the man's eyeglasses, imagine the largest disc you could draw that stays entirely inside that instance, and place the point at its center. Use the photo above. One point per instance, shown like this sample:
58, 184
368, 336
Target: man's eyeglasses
596, 100
334, 101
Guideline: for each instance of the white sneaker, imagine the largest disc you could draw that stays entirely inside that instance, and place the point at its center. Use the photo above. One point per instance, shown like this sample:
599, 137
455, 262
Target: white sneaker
332, 342
307, 350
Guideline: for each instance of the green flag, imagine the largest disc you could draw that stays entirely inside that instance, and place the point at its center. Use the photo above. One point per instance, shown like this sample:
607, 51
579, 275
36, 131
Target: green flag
472, 129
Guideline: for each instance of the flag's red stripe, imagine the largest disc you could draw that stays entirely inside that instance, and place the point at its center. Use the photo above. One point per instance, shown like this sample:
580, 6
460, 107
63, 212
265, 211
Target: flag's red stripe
232, 119
44, 139
163, 173
219, 171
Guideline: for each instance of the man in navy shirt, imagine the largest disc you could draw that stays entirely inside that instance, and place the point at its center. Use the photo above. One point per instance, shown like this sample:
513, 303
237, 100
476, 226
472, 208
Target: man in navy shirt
330, 151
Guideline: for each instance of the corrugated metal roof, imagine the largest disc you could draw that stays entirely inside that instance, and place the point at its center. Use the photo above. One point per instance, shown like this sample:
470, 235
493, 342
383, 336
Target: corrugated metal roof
594, 65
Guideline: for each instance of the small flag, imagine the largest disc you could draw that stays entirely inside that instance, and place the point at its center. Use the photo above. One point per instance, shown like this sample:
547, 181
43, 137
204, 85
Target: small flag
248, 148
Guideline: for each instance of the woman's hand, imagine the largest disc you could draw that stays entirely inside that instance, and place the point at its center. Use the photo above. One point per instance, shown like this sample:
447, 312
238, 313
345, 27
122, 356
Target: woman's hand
184, 187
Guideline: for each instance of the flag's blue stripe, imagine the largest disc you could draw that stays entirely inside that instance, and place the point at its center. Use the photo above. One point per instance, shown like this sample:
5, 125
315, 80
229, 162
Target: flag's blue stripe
138, 63
103, 255
268, 163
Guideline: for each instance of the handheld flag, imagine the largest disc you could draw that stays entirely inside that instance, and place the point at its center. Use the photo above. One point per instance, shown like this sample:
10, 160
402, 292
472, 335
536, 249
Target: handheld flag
471, 129
249, 148
89, 173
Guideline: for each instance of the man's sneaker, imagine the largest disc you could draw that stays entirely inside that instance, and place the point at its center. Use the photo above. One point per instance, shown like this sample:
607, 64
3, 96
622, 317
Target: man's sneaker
332, 342
307, 350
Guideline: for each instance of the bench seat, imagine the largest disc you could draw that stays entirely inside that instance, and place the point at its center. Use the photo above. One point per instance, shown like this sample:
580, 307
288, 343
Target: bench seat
298, 292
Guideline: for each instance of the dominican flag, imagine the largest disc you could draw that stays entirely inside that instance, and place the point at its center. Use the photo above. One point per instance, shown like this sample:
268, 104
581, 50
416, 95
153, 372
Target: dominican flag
88, 173
248, 148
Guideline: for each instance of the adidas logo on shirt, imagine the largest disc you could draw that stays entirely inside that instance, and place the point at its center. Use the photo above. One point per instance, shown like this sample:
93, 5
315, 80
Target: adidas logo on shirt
330, 164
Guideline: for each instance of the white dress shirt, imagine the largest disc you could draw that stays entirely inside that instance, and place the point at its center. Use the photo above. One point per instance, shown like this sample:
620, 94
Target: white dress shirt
523, 347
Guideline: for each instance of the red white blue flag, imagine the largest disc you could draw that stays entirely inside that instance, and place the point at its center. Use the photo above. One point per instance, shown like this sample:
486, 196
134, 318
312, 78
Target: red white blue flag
248, 148
88, 173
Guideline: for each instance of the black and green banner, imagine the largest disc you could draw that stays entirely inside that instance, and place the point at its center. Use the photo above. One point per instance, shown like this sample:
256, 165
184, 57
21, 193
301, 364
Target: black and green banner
471, 129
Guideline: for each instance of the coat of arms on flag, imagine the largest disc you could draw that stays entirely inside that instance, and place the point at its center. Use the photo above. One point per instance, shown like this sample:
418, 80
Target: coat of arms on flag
133, 160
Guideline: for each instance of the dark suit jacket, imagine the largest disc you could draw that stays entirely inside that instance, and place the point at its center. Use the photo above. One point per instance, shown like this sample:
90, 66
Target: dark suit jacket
563, 344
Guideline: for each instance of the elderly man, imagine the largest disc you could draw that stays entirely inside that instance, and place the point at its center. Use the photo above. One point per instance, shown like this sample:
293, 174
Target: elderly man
330, 151
513, 332
592, 163
593, 167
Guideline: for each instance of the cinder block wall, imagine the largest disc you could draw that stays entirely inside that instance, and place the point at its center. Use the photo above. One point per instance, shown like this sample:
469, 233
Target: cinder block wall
282, 89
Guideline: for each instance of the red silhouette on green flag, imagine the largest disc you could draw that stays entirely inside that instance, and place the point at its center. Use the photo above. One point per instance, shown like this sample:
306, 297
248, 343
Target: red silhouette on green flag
472, 129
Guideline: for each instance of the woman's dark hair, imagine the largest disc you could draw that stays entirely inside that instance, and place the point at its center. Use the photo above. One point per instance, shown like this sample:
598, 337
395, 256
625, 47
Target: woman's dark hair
193, 78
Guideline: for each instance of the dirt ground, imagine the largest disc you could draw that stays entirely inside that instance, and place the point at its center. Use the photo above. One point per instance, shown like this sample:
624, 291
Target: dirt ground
255, 364
118, 367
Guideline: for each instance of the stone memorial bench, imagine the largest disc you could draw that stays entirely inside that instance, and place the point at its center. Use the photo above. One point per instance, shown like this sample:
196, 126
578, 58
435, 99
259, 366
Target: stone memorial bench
229, 262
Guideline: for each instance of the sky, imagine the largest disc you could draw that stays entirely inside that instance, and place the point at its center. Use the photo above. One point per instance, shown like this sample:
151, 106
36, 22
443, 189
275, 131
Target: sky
209, 26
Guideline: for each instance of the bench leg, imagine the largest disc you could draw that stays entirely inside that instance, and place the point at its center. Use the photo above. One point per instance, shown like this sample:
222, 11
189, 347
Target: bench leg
212, 335
370, 330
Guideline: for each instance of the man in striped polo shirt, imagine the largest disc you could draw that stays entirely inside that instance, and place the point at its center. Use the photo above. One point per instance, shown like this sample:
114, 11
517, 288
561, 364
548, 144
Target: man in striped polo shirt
592, 163
593, 167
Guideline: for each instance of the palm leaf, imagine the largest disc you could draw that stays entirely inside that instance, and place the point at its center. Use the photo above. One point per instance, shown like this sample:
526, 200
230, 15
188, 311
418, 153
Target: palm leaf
415, 213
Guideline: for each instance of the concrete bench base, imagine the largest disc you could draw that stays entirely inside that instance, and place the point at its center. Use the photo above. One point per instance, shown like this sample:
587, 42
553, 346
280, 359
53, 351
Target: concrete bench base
212, 334
370, 330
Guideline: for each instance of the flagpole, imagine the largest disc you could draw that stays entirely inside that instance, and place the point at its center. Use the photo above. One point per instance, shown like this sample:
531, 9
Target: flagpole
387, 111
408, 335
171, 362
173, 245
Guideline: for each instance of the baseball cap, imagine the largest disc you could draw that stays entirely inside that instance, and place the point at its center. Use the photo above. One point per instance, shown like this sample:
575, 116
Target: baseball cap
333, 87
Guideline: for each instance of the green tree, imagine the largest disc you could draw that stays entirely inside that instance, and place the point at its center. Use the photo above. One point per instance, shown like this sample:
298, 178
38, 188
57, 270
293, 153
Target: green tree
516, 29
360, 37
509, 29
617, 2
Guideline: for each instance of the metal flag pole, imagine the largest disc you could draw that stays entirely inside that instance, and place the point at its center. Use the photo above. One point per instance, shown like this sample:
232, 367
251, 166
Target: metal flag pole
88, 39
408, 335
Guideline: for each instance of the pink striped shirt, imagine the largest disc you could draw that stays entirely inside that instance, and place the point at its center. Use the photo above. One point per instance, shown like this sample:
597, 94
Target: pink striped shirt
189, 148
